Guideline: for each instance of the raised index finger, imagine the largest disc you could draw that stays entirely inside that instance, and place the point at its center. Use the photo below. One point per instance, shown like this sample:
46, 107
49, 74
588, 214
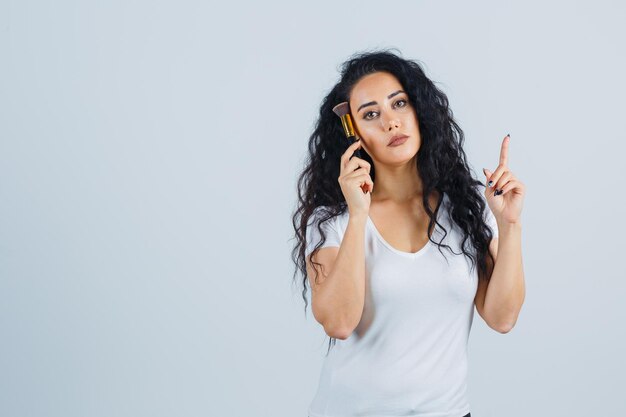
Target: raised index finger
504, 150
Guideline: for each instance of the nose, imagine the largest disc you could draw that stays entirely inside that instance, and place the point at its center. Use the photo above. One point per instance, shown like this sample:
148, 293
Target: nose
393, 123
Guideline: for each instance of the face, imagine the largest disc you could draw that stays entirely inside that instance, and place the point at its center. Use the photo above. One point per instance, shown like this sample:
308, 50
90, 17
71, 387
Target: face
380, 112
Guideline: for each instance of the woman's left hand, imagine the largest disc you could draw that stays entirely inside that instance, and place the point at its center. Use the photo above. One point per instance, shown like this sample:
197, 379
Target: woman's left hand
507, 206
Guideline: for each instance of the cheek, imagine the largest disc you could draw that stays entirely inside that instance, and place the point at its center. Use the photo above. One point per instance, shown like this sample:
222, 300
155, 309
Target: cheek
368, 144
412, 118
365, 130
358, 126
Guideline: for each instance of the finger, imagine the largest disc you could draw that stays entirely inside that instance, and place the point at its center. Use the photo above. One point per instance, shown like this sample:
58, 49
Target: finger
358, 172
350, 152
489, 177
370, 183
356, 162
360, 178
348, 177
504, 150
512, 185
367, 183
504, 178
498, 187
493, 178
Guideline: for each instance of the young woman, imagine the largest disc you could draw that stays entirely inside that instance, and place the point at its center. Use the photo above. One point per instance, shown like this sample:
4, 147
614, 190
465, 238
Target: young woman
390, 243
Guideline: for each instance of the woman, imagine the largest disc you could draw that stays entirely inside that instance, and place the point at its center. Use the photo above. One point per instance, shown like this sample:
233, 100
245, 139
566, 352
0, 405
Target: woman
390, 243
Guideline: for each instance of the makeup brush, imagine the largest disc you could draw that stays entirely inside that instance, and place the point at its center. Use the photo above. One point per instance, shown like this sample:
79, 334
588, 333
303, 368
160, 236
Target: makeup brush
343, 111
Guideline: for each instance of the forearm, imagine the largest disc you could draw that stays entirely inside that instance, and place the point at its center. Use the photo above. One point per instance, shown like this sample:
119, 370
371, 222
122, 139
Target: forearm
345, 293
506, 290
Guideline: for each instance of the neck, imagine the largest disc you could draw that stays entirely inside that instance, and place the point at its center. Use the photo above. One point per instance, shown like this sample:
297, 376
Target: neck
398, 184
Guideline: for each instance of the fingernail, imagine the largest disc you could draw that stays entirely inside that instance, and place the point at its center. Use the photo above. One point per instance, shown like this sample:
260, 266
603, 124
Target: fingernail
490, 183
508, 135
497, 192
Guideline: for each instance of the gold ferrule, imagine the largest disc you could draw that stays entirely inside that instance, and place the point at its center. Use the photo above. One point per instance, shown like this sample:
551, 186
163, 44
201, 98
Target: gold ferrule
346, 122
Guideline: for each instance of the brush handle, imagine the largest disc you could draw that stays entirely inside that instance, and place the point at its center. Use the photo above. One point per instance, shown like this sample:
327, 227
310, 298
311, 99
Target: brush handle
357, 153
352, 140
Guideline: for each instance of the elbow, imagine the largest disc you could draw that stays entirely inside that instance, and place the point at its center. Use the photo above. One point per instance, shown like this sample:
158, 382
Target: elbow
504, 324
342, 335
504, 328
340, 327
338, 332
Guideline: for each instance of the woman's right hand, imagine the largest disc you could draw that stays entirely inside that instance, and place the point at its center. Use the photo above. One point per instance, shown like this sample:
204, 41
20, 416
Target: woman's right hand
355, 181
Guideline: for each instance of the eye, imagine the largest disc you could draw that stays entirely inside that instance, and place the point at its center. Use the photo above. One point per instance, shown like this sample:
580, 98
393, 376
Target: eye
405, 103
366, 114
402, 100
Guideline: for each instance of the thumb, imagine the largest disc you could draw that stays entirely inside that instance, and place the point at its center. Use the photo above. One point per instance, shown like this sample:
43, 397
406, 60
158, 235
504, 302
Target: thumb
487, 174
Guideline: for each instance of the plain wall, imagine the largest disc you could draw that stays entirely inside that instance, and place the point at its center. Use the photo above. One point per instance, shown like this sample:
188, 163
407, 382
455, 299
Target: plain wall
149, 152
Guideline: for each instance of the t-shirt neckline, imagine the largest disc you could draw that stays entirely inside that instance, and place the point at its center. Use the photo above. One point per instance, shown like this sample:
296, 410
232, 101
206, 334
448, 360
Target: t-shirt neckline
411, 255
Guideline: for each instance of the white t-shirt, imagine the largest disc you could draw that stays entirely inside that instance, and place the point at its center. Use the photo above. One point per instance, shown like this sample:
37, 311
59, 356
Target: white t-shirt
408, 355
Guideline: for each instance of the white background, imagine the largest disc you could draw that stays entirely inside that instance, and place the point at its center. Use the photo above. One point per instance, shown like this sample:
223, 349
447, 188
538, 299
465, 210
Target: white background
148, 157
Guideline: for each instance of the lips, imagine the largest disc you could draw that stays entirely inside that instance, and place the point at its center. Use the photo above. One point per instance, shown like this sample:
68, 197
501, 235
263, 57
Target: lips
396, 137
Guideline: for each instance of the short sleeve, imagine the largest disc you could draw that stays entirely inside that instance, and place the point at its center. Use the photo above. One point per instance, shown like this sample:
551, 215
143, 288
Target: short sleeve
313, 237
490, 219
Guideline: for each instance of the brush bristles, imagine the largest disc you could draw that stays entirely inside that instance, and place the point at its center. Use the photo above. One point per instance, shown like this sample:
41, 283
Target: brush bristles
342, 109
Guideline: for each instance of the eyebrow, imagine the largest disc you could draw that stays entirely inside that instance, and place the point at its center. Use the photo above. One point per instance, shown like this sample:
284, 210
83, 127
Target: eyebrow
373, 102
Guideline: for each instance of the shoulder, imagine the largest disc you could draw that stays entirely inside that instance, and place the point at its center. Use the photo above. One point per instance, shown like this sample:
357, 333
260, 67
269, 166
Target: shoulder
337, 217
319, 213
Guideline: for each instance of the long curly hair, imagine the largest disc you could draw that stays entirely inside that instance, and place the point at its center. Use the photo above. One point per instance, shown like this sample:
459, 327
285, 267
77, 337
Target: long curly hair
441, 162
